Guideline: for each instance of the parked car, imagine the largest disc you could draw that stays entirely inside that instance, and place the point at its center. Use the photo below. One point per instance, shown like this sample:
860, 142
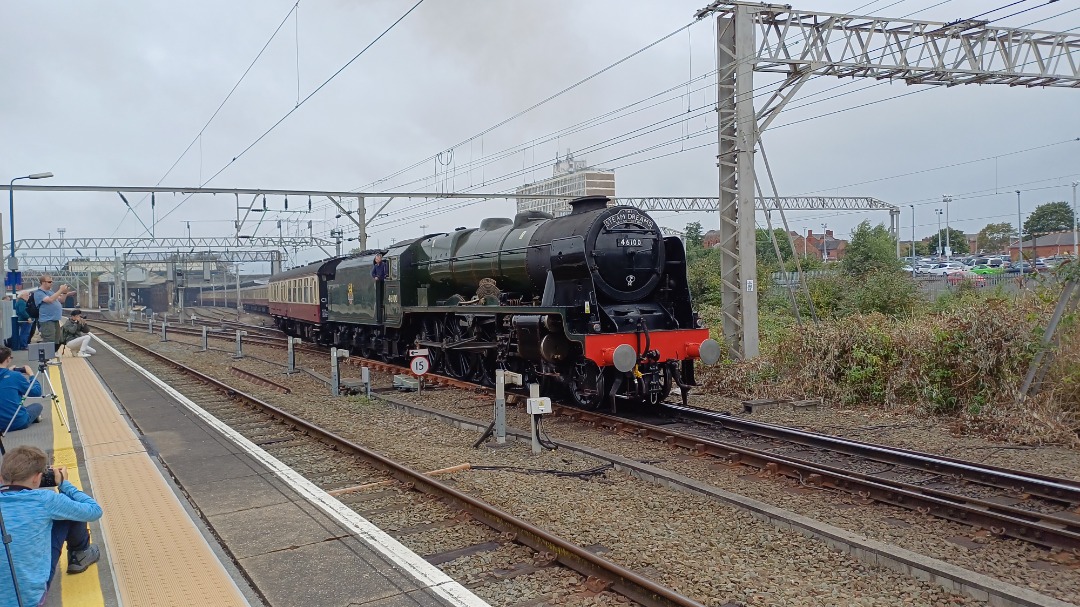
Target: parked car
943, 269
907, 268
984, 269
924, 268
1021, 266
956, 278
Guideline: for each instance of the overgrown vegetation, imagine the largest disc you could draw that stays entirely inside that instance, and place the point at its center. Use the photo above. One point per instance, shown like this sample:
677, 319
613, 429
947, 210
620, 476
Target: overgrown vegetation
879, 344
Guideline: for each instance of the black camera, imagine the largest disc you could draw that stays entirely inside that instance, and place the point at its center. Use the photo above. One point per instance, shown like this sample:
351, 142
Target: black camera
48, 478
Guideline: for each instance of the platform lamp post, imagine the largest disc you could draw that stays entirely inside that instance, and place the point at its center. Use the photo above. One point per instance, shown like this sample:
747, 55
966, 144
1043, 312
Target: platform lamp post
1019, 231
948, 233
1076, 246
940, 249
13, 264
912, 239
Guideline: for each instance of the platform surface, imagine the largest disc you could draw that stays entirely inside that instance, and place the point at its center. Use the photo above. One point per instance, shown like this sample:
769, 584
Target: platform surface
197, 515
296, 545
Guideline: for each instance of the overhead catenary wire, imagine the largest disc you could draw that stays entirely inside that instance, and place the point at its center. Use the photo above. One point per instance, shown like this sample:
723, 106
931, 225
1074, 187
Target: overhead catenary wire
803, 105
198, 136
696, 147
300, 104
536, 105
711, 73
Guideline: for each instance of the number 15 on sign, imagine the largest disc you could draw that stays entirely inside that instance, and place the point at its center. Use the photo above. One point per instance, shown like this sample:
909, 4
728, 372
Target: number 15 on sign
419, 365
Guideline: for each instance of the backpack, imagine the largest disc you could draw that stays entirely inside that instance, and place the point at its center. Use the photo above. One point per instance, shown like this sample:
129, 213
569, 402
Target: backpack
32, 306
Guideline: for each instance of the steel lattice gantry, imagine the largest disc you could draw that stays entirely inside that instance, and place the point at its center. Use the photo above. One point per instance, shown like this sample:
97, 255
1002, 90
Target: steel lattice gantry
801, 44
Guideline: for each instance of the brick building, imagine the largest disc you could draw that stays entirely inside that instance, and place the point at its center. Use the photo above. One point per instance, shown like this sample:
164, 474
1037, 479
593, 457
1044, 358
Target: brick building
1047, 245
815, 245
808, 246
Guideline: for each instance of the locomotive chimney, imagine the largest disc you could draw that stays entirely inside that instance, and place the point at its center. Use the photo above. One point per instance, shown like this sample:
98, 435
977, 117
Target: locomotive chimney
588, 203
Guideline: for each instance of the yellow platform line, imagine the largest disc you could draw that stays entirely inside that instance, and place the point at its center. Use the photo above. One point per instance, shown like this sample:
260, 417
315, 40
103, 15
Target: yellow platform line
142, 513
84, 588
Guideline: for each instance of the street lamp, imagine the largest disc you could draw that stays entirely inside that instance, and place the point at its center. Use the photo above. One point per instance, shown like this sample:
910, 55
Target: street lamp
940, 252
13, 264
912, 239
948, 235
1076, 246
824, 243
1019, 231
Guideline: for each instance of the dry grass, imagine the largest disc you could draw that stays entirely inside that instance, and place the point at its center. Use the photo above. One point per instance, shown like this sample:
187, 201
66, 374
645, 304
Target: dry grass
965, 362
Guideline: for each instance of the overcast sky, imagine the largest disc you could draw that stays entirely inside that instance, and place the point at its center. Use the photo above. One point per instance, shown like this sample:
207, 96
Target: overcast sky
112, 92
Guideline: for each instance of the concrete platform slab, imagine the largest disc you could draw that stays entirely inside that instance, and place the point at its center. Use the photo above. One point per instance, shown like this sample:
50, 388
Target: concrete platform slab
295, 543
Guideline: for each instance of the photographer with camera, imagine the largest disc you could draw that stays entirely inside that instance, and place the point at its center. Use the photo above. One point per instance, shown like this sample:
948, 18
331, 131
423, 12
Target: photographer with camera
50, 310
75, 334
14, 384
39, 522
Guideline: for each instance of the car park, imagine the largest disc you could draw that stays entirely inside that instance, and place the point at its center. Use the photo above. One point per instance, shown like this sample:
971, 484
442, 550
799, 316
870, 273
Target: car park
956, 278
1021, 266
984, 269
949, 267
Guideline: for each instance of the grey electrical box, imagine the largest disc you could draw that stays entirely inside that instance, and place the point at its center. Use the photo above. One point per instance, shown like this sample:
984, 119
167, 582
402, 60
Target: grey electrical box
7, 309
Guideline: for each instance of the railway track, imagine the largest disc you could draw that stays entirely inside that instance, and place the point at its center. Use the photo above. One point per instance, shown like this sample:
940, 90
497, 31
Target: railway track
378, 488
1038, 509
1034, 508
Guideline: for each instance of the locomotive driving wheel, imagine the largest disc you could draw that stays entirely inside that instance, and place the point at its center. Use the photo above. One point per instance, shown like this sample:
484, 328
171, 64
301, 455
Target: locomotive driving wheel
484, 362
457, 363
586, 385
431, 332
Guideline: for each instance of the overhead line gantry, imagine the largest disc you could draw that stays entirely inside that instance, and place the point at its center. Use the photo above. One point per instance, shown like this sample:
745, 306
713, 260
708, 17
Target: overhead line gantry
773, 38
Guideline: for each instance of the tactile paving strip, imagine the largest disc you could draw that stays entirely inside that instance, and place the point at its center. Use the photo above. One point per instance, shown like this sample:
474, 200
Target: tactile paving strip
158, 555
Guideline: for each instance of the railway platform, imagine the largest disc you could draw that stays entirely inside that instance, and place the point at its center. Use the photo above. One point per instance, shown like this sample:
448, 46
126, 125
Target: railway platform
195, 515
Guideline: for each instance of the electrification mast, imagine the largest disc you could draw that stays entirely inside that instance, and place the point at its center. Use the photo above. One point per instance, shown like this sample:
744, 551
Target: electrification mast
754, 37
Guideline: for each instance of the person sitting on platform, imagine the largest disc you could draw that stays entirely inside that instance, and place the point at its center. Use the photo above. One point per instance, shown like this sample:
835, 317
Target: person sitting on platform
39, 523
75, 334
14, 384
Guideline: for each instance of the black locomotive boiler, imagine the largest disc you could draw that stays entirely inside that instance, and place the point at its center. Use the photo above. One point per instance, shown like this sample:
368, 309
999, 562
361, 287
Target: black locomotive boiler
596, 301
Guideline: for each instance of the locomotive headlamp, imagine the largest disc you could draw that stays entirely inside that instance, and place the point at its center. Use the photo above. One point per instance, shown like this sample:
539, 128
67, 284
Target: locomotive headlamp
596, 327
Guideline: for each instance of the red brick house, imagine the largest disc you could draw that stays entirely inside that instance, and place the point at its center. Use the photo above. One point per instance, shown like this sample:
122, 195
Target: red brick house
1047, 245
812, 243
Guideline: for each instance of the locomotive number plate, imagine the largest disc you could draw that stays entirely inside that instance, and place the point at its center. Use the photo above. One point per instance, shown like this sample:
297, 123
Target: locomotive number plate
628, 242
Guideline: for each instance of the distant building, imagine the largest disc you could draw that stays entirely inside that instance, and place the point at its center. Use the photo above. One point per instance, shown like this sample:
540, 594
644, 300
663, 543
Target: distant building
571, 178
973, 242
816, 245
811, 245
1047, 245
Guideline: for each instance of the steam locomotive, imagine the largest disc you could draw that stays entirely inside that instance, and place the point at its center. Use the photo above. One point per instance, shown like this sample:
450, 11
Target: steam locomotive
596, 302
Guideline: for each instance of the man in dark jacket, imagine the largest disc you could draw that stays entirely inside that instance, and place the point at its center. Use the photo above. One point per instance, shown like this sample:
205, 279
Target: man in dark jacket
379, 270
75, 334
14, 383
22, 328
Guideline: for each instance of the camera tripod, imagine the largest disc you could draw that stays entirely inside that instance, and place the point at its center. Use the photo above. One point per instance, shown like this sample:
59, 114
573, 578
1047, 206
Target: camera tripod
43, 381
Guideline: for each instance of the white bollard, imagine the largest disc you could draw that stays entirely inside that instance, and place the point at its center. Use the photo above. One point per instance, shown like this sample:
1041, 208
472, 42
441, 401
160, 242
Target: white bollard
239, 344
205, 340
292, 356
365, 376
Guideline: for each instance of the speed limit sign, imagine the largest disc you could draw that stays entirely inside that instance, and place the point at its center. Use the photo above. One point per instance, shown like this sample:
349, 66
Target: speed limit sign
419, 365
